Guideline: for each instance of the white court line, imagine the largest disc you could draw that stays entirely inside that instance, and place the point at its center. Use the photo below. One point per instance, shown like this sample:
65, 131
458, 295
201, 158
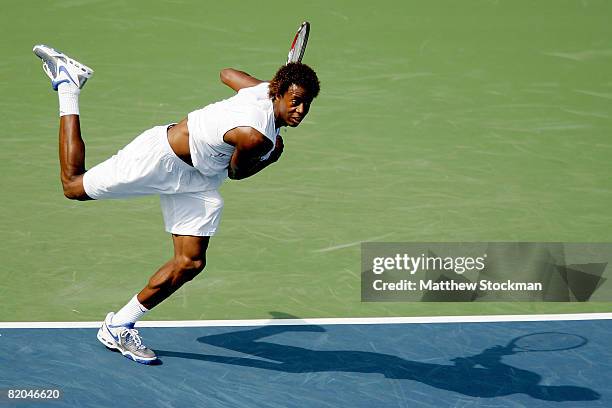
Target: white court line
318, 321
350, 244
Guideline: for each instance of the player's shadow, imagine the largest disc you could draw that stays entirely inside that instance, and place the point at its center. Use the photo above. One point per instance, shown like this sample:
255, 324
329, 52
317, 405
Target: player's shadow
483, 375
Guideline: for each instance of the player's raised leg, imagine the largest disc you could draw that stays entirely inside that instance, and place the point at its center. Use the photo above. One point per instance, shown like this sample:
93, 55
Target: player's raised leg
68, 77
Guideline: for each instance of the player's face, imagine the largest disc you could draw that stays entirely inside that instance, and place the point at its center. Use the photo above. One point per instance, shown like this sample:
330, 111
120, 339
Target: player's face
294, 105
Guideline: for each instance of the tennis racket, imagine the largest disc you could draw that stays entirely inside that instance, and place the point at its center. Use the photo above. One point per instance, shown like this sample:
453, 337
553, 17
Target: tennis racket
298, 46
546, 341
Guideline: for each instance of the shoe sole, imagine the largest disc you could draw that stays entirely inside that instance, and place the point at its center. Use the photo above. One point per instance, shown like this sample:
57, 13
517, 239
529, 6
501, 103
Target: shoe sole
112, 345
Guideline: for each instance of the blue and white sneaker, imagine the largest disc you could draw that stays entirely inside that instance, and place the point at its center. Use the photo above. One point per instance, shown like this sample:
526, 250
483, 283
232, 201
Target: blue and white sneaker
126, 340
61, 68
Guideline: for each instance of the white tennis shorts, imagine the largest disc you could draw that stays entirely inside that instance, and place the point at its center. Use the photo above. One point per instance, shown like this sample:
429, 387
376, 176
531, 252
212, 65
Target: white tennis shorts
190, 202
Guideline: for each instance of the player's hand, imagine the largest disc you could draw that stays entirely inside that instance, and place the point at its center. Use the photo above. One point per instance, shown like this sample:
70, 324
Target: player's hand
278, 149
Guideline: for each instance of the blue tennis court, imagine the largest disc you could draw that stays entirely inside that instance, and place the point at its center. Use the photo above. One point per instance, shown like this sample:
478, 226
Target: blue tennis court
335, 365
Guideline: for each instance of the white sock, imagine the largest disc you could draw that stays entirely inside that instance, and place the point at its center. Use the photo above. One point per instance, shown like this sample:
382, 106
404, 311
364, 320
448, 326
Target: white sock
68, 99
130, 313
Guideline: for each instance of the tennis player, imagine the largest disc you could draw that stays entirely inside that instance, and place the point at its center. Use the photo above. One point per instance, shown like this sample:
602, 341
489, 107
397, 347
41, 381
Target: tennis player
183, 163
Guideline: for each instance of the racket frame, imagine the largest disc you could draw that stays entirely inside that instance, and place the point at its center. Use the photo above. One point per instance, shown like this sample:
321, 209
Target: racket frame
304, 30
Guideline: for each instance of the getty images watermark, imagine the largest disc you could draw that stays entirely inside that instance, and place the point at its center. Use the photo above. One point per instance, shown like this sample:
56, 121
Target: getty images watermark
458, 265
497, 271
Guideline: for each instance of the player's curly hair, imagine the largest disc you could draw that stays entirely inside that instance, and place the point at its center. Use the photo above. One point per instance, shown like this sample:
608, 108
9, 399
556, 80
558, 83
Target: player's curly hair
294, 73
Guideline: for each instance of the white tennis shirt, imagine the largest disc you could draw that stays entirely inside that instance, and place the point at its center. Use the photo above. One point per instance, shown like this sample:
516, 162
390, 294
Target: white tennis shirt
249, 107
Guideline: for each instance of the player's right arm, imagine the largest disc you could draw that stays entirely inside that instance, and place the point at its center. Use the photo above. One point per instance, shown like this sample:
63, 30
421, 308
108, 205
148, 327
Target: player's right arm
250, 145
237, 79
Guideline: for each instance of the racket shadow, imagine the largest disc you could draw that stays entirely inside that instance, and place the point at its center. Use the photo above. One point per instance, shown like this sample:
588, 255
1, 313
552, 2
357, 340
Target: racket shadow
483, 375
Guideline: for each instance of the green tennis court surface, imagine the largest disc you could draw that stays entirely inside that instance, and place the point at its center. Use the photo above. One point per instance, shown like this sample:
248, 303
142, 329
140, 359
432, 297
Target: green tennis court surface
437, 121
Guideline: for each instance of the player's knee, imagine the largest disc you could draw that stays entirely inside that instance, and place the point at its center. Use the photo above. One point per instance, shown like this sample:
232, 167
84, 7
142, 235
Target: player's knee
74, 190
71, 194
186, 263
188, 268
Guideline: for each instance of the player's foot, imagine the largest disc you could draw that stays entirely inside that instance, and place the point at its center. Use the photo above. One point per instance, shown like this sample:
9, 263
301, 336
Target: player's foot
126, 340
61, 68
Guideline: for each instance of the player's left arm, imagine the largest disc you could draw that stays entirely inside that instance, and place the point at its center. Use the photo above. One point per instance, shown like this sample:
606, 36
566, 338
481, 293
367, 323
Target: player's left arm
257, 165
237, 79
250, 146
260, 164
